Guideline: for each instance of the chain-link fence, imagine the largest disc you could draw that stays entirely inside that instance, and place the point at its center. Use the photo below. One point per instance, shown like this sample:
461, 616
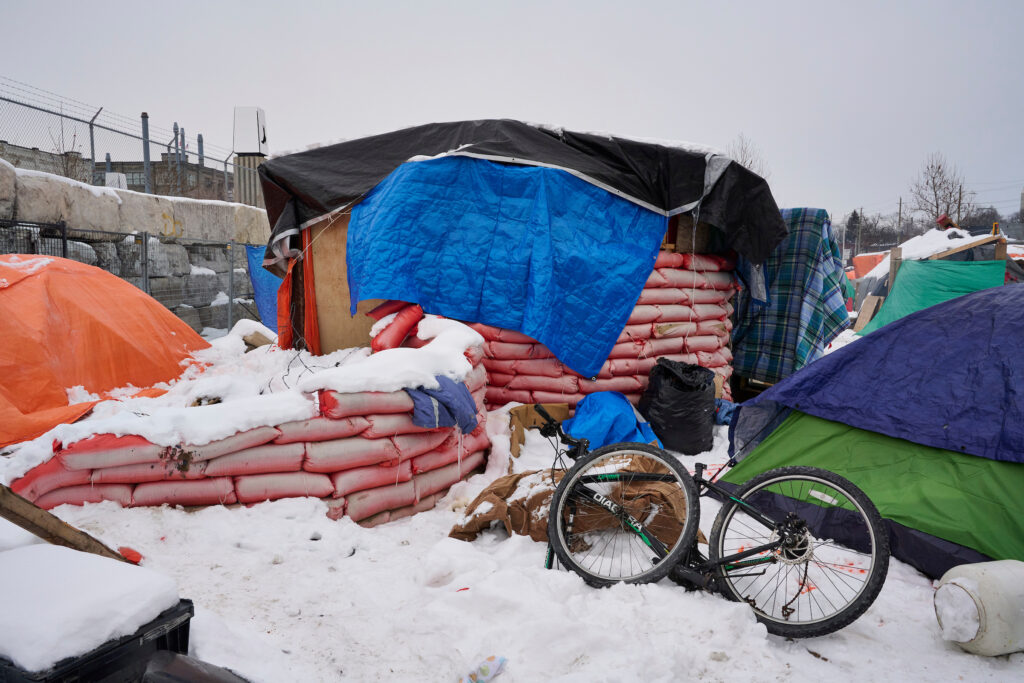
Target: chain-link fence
43, 131
205, 283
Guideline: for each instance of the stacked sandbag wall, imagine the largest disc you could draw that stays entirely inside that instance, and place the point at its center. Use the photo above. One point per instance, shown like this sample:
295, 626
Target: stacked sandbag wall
683, 314
362, 454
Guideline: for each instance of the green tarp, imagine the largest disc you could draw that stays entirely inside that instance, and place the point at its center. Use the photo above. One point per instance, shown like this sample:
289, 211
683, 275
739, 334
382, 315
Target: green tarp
971, 501
920, 284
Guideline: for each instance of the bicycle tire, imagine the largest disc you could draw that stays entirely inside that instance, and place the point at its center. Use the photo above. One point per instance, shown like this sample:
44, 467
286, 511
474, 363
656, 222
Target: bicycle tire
647, 483
837, 568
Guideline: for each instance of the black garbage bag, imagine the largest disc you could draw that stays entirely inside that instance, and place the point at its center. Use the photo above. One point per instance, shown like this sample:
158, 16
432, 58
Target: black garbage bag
680, 405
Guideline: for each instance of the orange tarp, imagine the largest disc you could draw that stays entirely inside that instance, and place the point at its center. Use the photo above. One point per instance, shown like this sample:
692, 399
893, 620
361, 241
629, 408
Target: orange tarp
863, 263
65, 324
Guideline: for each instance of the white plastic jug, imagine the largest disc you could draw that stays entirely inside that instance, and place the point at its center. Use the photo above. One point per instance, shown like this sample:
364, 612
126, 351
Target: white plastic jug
980, 607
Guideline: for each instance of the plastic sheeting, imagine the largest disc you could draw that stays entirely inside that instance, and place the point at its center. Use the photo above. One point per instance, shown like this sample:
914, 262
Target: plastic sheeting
66, 324
608, 417
920, 284
949, 376
529, 249
264, 286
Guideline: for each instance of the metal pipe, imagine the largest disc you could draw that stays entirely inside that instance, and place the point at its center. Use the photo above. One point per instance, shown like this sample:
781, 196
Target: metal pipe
200, 142
92, 145
146, 170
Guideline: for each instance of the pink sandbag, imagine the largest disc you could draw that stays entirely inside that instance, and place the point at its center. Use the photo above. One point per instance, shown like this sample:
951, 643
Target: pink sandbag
337, 405
714, 359
86, 493
499, 379
625, 385
363, 504
657, 331
702, 343
668, 259
343, 454
500, 334
218, 491
685, 297
471, 443
651, 347
509, 351
707, 262
474, 354
668, 313
258, 460
476, 379
107, 450
44, 478
723, 370
566, 384
720, 328
411, 445
148, 471
499, 396
633, 398
236, 442
387, 308
256, 488
392, 336
335, 508
363, 478
548, 367
549, 397
433, 481
320, 429
688, 279
383, 426
423, 505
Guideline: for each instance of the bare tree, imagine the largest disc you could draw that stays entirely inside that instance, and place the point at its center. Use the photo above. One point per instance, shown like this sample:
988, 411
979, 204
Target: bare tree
67, 155
939, 189
744, 152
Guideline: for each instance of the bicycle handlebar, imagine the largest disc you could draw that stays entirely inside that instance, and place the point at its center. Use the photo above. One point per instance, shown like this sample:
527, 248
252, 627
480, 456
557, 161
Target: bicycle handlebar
553, 427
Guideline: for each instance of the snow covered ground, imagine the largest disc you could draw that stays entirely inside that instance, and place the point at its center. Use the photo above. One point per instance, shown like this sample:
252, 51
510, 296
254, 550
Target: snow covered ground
284, 594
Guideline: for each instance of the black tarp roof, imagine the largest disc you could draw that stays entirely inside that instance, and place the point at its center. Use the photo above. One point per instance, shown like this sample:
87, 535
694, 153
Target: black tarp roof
300, 188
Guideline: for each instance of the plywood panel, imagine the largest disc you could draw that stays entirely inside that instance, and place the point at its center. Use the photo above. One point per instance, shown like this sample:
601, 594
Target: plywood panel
338, 329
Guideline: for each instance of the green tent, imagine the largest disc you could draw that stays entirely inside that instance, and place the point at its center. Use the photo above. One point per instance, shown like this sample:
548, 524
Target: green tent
920, 284
970, 501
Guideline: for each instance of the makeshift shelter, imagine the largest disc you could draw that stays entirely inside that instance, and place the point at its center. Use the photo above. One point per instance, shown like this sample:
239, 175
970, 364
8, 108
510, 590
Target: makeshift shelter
66, 324
925, 415
541, 231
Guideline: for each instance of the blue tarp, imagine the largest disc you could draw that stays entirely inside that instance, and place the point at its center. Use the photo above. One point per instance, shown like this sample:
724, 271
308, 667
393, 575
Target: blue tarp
264, 287
950, 376
607, 417
526, 248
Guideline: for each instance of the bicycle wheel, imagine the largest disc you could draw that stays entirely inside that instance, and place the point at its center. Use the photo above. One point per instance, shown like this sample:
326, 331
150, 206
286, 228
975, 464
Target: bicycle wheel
624, 512
833, 566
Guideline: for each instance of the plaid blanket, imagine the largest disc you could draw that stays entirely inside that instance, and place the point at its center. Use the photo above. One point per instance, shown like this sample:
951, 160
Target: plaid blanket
806, 309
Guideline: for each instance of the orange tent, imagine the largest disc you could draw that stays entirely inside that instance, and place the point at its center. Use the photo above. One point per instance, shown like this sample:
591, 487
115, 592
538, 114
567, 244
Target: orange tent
65, 324
863, 263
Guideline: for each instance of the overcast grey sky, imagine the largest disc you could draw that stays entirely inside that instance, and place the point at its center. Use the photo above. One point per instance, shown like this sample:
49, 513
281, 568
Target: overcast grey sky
843, 99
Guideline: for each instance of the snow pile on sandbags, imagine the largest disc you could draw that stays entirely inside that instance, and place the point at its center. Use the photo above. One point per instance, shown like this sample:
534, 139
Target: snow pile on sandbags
360, 450
682, 314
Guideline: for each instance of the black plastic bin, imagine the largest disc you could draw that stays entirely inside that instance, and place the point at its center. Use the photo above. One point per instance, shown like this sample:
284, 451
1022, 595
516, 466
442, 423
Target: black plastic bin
116, 661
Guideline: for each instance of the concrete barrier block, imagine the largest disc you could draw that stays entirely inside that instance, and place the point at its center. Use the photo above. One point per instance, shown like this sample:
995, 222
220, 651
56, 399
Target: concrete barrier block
209, 256
251, 225
201, 288
214, 316
177, 259
8, 190
147, 213
77, 251
39, 198
107, 257
129, 251
205, 220
170, 291
190, 316
88, 209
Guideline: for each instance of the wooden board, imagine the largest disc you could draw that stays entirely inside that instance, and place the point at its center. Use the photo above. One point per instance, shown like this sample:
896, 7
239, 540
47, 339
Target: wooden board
338, 329
867, 311
971, 245
524, 417
687, 242
895, 257
48, 527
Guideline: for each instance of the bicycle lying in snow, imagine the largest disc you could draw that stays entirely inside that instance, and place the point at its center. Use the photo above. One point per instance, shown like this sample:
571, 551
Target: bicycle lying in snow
804, 547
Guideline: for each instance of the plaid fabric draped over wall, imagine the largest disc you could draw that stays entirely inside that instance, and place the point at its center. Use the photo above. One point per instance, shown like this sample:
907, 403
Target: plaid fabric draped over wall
805, 310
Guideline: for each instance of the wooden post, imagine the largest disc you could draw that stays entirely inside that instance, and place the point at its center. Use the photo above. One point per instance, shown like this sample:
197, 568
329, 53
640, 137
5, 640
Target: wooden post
895, 255
49, 527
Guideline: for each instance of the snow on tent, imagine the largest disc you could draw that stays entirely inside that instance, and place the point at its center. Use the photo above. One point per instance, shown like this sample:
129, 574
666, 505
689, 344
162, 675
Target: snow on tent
543, 235
926, 415
66, 324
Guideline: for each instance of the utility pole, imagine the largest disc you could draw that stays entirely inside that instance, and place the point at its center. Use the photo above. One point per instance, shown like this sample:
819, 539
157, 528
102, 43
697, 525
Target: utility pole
959, 203
899, 222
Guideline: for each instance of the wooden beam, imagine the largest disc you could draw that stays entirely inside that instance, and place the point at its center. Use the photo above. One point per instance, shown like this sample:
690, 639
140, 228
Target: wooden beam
1000, 254
49, 527
868, 310
965, 247
895, 257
